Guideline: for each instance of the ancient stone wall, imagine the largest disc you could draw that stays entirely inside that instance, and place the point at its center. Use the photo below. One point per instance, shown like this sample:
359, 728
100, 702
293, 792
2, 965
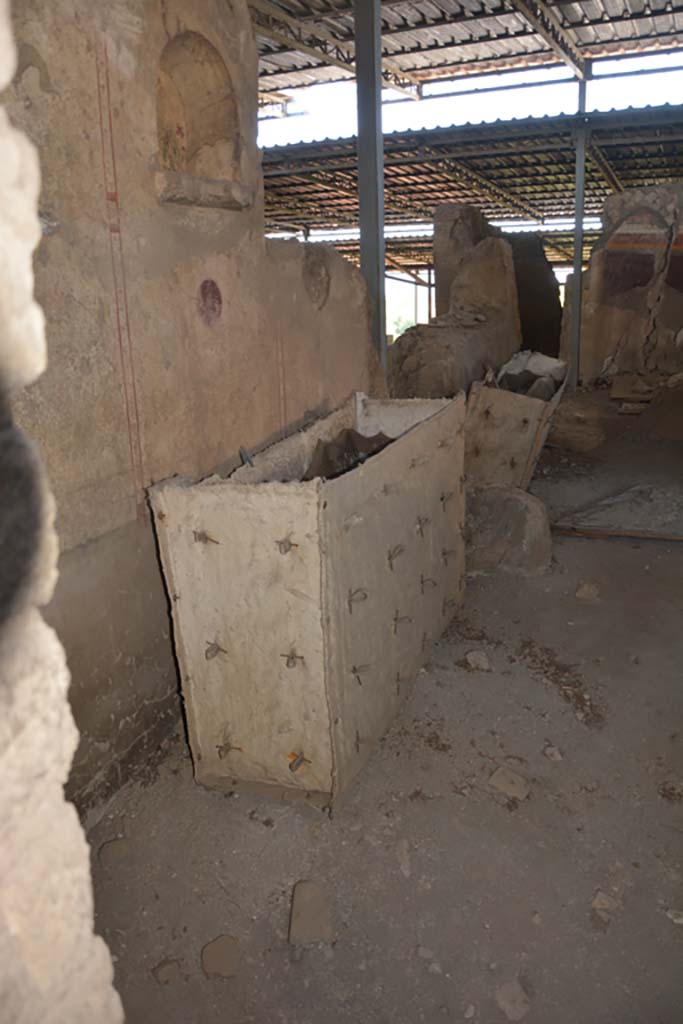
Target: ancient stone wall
53, 970
458, 229
538, 291
178, 334
632, 308
481, 329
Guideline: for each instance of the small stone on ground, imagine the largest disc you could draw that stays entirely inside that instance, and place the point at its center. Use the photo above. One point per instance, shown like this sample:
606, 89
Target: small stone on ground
478, 661
167, 971
221, 957
510, 783
552, 753
513, 1000
403, 851
588, 592
310, 916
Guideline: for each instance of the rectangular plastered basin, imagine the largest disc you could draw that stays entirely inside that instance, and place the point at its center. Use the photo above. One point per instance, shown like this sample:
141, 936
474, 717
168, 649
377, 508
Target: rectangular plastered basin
303, 611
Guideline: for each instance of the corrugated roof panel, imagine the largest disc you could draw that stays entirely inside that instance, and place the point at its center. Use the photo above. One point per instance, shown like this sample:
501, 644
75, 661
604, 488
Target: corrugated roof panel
508, 169
428, 36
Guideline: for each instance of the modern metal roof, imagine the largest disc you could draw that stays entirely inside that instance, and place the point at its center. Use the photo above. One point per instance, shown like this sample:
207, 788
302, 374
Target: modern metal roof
511, 170
305, 42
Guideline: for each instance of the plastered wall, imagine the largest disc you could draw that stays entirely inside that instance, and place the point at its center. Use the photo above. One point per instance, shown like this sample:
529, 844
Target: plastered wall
632, 304
53, 969
177, 333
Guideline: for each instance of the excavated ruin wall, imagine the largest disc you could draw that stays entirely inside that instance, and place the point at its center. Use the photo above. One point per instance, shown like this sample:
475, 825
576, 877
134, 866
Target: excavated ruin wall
632, 306
458, 228
53, 969
177, 333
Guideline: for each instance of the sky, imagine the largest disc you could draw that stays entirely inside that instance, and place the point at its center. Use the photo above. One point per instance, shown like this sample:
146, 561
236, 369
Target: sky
329, 111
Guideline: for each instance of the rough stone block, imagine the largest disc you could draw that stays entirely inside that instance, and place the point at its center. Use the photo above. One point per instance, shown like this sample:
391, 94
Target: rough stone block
507, 529
53, 969
480, 330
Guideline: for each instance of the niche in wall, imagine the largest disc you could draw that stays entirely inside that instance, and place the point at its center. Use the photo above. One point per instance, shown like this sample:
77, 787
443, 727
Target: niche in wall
198, 127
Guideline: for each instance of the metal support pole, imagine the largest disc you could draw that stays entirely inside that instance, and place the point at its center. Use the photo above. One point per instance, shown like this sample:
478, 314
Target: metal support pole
577, 278
368, 37
430, 293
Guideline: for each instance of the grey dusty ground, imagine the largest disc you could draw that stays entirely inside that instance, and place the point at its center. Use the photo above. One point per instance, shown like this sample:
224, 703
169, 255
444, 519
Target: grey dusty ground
512, 852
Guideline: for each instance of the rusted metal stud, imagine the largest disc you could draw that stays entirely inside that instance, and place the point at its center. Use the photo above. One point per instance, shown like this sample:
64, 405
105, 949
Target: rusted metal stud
398, 619
202, 537
446, 553
360, 594
420, 524
292, 658
427, 582
296, 761
213, 649
357, 671
393, 554
225, 748
285, 545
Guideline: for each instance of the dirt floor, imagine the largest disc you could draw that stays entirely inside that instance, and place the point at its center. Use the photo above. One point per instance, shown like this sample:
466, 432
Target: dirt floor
512, 852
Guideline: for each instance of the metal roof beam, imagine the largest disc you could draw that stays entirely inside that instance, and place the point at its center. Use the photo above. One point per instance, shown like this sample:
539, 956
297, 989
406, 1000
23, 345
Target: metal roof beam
462, 17
548, 25
450, 69
488, 187
273, 23
604, 166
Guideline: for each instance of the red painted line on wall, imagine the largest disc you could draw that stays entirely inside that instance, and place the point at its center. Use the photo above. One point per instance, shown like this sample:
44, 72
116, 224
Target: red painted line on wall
282, 380
123, 333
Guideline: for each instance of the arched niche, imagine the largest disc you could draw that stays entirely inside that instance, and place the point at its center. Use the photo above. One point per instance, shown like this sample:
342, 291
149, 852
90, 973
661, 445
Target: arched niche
197, 126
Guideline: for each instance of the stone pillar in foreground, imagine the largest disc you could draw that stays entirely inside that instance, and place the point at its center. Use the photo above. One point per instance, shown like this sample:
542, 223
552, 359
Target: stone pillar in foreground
53, 969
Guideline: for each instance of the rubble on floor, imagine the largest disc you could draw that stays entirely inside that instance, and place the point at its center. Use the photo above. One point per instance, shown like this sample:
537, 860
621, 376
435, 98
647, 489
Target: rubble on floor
526, 370
632, 308
447, 895
340, 454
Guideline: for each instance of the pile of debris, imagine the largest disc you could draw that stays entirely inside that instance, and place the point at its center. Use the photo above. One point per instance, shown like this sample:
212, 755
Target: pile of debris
635, 391
532, 374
